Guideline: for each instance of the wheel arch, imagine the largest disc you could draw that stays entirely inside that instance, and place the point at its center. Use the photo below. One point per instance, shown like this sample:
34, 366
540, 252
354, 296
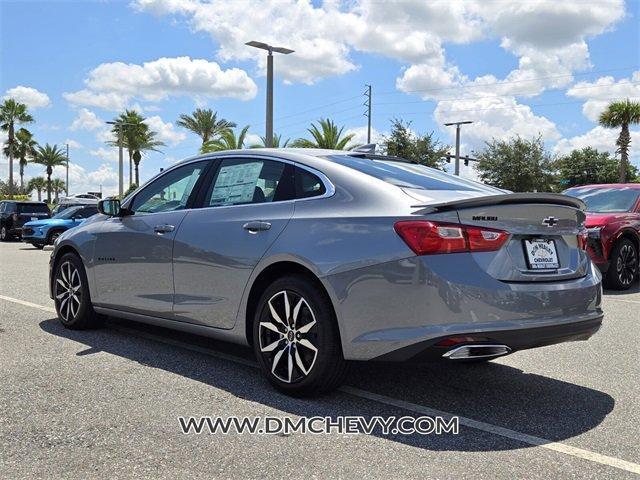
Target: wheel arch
63, 250
631, 235
52, 230
274, 270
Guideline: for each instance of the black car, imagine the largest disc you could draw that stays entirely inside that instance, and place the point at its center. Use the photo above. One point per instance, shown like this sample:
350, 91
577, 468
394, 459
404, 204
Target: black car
14, 214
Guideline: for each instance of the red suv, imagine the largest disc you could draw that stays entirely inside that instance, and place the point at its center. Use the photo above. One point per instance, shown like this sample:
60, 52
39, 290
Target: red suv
613, 230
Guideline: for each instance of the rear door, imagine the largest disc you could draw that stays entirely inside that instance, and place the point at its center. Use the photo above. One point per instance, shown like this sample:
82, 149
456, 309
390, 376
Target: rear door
133, 253
246, 205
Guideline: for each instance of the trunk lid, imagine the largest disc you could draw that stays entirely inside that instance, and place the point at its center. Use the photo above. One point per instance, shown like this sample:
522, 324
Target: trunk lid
546, 225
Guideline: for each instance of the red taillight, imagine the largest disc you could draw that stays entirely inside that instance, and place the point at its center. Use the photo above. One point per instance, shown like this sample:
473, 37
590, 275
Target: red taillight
427, 238
582, 240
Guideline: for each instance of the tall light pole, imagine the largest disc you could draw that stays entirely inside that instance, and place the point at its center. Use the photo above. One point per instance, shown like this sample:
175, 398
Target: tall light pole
66, 185
120, 160
269, 119
457, 124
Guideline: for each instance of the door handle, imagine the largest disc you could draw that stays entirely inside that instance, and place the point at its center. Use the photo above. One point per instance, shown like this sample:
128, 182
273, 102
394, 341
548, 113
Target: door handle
256, 226
163, 228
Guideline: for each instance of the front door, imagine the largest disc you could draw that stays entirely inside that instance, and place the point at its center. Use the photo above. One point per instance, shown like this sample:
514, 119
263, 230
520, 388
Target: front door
133, 253
244, 210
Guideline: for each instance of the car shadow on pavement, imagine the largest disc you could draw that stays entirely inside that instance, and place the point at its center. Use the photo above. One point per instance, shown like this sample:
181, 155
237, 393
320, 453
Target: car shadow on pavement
635, 288
491, 392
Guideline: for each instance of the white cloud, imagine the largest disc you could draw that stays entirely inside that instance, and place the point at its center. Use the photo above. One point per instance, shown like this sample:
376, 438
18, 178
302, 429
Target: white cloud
600, 138
86, 120
29, 96
165, 131
548, 37
82, 181
112, 86
494, 117
110, 154
360, 135
73, 144
600, 93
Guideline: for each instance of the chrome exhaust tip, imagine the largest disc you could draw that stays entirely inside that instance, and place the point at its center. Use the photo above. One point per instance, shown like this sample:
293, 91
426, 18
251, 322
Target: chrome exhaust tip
477, 351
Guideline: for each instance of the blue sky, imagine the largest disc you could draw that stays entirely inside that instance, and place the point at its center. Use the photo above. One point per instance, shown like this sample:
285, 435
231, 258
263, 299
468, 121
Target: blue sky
523, 68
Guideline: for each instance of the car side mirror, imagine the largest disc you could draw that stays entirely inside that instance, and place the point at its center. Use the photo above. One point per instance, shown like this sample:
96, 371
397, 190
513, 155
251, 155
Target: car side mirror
110, 207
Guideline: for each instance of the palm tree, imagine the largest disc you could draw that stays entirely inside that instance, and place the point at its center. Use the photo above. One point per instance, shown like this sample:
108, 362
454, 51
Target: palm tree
24, 147
277, 139
12, 112
205, 124
50, 156
58, 186
39, 184
327, 136
144, 142
227, 141
621, 114
137, 137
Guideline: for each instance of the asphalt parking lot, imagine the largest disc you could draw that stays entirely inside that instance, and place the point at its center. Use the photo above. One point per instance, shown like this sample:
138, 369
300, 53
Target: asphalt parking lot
104, 403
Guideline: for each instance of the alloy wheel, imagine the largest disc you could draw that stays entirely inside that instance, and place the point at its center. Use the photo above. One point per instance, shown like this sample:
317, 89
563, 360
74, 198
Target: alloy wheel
288, 335
3, 234
68, 293
627, 264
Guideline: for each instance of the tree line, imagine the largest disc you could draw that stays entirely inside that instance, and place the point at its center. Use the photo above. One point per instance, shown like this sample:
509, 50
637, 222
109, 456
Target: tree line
517, 164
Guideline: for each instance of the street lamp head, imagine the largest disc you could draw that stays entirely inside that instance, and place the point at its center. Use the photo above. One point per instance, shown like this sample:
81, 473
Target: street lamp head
269, 48
458, 123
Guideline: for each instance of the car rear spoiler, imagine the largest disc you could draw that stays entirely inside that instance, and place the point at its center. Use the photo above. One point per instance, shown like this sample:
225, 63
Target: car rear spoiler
507, 199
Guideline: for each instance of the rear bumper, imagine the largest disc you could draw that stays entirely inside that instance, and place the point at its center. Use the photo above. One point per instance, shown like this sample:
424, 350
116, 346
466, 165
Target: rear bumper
521, 339
417, 301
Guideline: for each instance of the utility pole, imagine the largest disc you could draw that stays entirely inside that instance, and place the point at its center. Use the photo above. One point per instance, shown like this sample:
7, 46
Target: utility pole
367, 104
457, 124
66, 185
269, 114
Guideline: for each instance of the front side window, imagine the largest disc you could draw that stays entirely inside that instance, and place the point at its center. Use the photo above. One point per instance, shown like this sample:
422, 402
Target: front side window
247, 181
169, 192
86, 212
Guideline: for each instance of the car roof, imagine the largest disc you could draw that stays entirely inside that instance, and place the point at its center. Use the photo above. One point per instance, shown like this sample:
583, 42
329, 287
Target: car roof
28, 202
608, 185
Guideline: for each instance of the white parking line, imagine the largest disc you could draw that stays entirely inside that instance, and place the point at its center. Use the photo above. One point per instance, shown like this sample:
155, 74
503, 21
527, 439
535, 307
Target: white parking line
393, 402
28, 304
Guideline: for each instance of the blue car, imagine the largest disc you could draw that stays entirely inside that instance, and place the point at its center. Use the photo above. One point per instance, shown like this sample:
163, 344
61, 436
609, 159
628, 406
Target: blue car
44, 232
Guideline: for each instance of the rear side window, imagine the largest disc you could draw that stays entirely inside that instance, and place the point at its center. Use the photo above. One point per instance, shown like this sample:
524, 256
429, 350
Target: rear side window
308, 185
32, 208
251, 180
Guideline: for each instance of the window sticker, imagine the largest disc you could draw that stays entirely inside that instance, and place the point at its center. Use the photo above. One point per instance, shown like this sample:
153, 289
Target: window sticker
236, 184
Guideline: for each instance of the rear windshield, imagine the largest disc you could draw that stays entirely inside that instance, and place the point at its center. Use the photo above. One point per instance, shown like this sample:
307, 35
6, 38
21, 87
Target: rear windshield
606, 200
32, 208
411, 175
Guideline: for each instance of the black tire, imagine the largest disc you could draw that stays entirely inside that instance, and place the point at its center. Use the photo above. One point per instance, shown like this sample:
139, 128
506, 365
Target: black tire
623, 267
4, 234
52, 235
310, 373
71, 295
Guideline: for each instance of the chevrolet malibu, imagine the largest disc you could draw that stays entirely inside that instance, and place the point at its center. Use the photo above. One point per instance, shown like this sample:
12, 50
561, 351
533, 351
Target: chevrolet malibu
319, 257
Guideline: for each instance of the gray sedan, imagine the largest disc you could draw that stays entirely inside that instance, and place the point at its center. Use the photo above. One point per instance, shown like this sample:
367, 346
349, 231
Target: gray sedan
318, 257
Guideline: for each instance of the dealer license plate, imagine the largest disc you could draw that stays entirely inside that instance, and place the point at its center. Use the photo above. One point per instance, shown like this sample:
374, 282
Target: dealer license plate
541, 254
